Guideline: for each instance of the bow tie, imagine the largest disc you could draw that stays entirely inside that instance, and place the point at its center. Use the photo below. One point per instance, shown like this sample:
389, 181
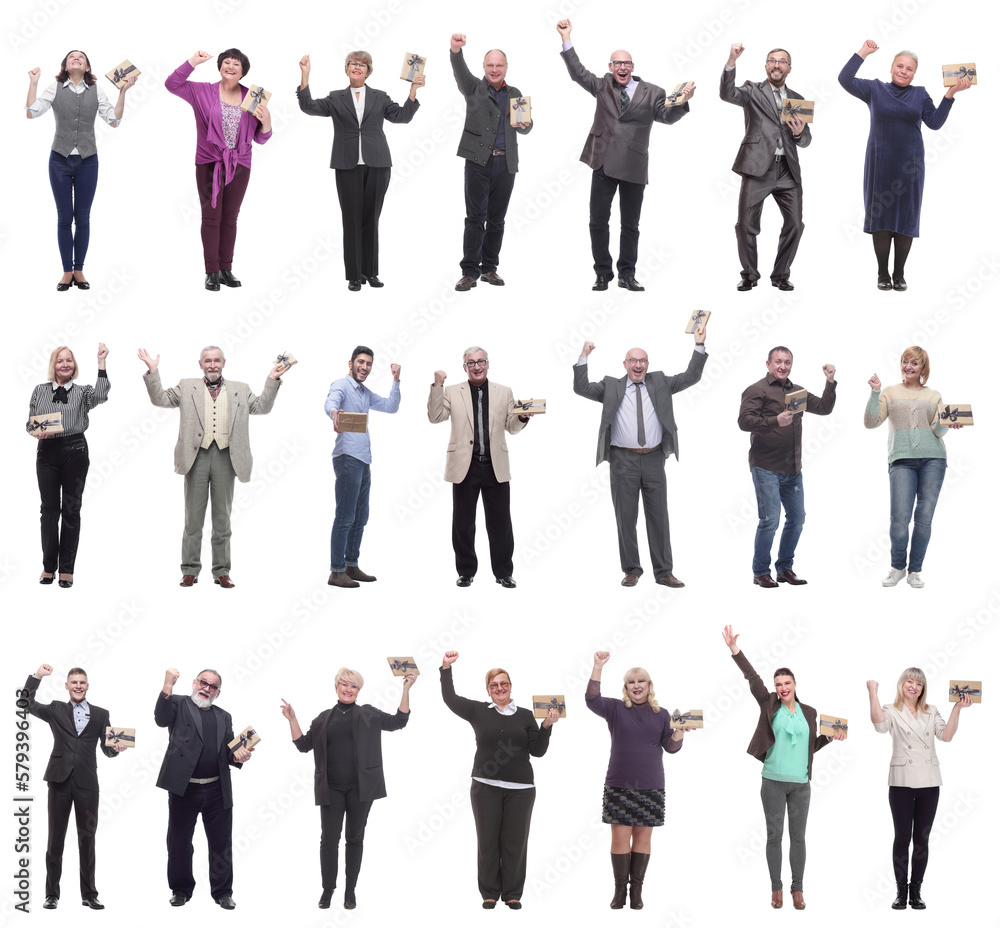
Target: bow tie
60, 395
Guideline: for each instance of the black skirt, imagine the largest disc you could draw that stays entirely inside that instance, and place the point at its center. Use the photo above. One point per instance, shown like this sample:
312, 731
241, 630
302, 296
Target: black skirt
636, 807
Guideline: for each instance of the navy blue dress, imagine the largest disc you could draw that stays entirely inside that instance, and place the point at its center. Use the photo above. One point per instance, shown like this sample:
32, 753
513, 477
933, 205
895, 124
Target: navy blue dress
894, 159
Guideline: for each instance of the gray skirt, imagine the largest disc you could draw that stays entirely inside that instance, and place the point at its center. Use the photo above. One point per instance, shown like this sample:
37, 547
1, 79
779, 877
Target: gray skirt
636, 807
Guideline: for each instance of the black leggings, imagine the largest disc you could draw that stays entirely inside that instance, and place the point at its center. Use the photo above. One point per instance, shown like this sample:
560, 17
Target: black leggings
883, 240
912, 817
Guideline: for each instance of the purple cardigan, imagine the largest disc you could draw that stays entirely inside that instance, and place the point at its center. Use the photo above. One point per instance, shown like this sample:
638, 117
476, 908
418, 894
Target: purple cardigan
639, 736
204, 100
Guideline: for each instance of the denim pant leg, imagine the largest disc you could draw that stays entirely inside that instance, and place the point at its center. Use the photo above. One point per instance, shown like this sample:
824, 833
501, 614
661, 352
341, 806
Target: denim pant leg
349, 473
766, 486
930, 479
790, 489
360, 518
903, 479
61, 180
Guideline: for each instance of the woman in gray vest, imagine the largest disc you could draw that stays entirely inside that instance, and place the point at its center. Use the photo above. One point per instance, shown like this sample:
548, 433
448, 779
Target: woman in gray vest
76, 101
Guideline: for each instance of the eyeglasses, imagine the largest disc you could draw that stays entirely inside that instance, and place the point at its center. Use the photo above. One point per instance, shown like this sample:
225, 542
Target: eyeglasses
480, 363
774, 61
211, 687
623, 64
499, 686
641, 362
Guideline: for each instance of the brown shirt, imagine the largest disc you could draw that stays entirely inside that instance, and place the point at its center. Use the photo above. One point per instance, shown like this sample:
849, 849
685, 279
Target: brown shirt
774, 447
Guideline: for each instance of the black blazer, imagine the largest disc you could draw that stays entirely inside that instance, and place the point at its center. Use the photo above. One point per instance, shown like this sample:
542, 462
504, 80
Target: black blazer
71, 753
183, 718
368, 723
339, 106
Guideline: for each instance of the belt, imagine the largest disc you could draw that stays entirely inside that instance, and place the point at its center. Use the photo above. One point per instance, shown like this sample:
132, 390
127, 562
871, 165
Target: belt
201, 781
639, 450
779, 157
482, 458
495, 152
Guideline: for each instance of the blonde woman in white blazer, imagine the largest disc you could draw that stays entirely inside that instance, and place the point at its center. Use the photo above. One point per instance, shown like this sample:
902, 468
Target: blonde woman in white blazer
914, 775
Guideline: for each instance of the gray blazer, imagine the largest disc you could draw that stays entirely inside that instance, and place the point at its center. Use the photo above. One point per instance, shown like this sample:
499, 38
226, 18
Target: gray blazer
762, 127
189, 396
620, 143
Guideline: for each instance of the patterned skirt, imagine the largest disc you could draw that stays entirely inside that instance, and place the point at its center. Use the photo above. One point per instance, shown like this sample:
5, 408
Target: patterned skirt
642, 807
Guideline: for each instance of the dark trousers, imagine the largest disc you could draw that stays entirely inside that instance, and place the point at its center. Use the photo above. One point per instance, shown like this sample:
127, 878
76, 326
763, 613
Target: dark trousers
503, 817
632, 474
602, 192
778, 183
342, 805
218, 223
496, 505
487, 195
205, 799
361, 192
74, 183
913, 811
85, 802
61, 465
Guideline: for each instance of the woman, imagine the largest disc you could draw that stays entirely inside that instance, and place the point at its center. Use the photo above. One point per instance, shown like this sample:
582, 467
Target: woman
634, 787
917, 460
360, 157
894, 159
503, 786
784, 741
62, 461
75, 101
223, 153
347, 741
914, 775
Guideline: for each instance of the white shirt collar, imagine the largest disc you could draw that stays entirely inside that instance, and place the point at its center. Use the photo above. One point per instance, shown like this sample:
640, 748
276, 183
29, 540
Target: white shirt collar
510, 708
56, 385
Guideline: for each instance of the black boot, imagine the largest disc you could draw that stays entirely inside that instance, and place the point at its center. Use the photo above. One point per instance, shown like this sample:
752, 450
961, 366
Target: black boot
900, 902
620, 865
637, 874
915, 901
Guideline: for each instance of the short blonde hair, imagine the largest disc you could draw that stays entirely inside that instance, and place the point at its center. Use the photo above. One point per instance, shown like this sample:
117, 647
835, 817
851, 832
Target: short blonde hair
631, 676
52, 363
918, 354
351, 676
364, 57
912, 673
908, 54
495, 672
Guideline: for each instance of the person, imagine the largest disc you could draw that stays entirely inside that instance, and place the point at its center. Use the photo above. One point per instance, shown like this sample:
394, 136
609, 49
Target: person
634, 788
223, 153
77, 729
917, 460
76, 101
195, 772
784, 742
489, 169
503, 785
768, 162
477, 463
617, 150
894, 158
914, 774
360, 156
636, 437
776, 461
347, 745
352, 463
213, 448
62, 460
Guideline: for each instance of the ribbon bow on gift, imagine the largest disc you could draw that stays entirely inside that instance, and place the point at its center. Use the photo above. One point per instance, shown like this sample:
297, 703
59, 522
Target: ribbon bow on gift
675, 95
414, 62
678, 716
838, 726
43, 424
282, 359
257, 96
246, 736
519, 104
789, 108
963, 71
953, 414
964, 691
121, 73
397, 664
696, 317
526, 404
117, 736
553, 703
795, 403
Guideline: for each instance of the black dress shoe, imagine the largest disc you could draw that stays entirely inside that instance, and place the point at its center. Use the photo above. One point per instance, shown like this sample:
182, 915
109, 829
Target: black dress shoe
93, 903
226, 902
630, 283
45, 581
350, 902
354, 285
899, 283
884, 283
324, 899
746, 284
765, 581
212, 281
62, 288
464, 581
178, 899
602, 281
507, 582
373, 281
226, 277
81, 285
51, 901
783, 284
65, 584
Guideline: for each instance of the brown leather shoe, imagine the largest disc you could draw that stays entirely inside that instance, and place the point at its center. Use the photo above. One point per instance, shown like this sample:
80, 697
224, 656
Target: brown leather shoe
341, 579
356, 573
466, 283
765, 581
670, 580
491, 278
630, 580
225, 582
788, 576
189, 580
777, 900
797, 901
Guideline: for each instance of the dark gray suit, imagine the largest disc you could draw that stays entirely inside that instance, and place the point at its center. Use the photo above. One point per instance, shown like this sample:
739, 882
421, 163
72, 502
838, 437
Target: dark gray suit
763, 175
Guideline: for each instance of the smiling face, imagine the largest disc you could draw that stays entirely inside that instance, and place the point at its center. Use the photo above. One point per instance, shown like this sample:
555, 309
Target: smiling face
477, 367
912, 368
777, 66
622, 70
347, 691
231, 70
637, 688
211, 364
903, 70
499, 689
495, 68
780, 365
65, 367
361, 367
784, 686
205, 689
357, 72
77, 686
911, 688
76, 62
635, 363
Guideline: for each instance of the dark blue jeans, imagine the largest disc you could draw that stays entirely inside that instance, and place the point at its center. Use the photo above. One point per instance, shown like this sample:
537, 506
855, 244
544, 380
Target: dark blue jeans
487, 195
74, 182
919, 480
354, 482
775, 491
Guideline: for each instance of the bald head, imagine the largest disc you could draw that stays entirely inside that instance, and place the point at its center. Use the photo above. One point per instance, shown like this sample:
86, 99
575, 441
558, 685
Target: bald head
495, 68
636, 362
621, 72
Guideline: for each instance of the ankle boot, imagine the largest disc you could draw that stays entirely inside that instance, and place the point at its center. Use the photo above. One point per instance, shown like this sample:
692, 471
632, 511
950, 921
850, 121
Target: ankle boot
915, 901
900, 902
637, 874
620, 865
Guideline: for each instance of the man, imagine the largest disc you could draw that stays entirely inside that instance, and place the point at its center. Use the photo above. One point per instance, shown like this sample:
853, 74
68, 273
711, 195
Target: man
352, 461
77, 729
618, 152
213, 447
768, 161
477, 463
636, 436
489, 146
195, 771
776, 461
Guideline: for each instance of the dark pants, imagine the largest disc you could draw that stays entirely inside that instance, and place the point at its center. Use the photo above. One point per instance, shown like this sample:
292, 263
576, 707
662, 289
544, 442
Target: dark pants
913, 811
61, 465
632, 474
361, 192
602, 192
487, 195
503, 817
776, 796
205, 799
85, 802
74, 182
351, 491
777, 183
218, 223
496, 505
342, 804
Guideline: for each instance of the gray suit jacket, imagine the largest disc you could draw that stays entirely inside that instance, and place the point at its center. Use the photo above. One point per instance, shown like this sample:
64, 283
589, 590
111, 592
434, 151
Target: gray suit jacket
762, 127
189, 396
620, 143
661, 387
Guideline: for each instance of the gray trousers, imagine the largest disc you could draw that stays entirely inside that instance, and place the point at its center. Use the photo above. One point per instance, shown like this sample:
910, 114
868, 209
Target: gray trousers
212, 475
632, 474
776, 796
777, 182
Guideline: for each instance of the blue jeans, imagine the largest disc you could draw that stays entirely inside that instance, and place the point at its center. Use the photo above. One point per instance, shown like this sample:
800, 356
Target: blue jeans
74, 182
910, 479
775, 491
354, 483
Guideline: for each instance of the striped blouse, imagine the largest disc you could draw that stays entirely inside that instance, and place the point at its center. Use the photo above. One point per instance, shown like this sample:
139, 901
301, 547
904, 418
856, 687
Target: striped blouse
80, 399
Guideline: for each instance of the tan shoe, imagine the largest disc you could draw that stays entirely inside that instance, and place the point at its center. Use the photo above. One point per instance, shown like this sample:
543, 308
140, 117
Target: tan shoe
340, 578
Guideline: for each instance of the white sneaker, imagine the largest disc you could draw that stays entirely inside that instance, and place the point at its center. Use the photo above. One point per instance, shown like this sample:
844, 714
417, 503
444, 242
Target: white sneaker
894, 577
914, 580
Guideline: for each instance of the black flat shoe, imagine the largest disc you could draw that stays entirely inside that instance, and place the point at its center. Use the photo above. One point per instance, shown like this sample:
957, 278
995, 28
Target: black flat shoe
62, 288
628, 282
884, 283
783, 284
899, 283
746, 284
513, 905
81, 284
212, 281
324, 899
487, 904
45, 581
354, 285
373, 281
602, 281
65, 584
350, 902
226, 277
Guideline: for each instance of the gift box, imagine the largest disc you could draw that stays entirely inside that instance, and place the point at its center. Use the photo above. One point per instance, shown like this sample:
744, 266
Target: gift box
693, 718
50, 423
248, 738
286, 359
255, 96
959, 688
353, 422
678, 97
118, 75
413, 65
520, 111
401, 666
796, 400
953, 73
697, 318
959, 413
542, 704
113, 736
801, 108
536, 407
829, 725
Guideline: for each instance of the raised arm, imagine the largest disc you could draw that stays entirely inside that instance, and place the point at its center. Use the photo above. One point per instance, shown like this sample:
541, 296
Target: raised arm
855, 86
823, 405
877, 715
467, 83
580, 75
438, 402
877, 408
293, 723
462, 707
581, 385
166, 706
757, 688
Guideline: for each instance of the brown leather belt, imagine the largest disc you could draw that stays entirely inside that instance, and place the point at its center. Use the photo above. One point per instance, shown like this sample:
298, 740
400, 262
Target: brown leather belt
639, 450
495, 152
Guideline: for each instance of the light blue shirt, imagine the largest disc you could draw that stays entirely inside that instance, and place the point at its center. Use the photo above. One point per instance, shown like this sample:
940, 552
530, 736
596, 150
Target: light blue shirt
81, 715
351, 396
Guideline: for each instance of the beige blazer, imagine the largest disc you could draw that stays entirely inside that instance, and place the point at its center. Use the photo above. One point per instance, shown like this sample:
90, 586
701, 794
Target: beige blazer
914, 762
455, 403
189, 396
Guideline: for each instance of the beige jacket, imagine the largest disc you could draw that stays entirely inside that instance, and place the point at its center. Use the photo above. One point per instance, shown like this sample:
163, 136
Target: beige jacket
914, 762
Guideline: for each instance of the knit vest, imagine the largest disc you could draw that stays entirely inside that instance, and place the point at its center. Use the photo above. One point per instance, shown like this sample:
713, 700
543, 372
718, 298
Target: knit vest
75, 114
216, 419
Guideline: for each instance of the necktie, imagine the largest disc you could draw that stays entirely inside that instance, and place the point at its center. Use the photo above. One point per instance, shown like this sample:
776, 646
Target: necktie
625, 101
640, 422
479, 423
777, 99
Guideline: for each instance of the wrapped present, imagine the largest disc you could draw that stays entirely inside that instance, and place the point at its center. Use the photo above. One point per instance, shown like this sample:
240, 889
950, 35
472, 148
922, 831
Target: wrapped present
536, 407
520, 111
802, 108
953, 73
255, 96
113, 736
118, 75
248, 738
697, 318
678, 97
959, 413
353, 422
796, 400
971, 688
829, 725
693, 718
286, 359
50, 423
413, 65
542, 704
401, 666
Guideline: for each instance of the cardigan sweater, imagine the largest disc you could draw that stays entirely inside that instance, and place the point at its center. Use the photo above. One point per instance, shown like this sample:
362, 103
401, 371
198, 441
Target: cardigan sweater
914, 429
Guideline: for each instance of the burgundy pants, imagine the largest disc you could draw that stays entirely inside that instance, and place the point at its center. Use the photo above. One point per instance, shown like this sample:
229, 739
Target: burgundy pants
218, 223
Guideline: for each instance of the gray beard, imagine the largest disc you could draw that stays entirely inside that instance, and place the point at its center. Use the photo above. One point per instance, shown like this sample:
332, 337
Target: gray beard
202, 702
